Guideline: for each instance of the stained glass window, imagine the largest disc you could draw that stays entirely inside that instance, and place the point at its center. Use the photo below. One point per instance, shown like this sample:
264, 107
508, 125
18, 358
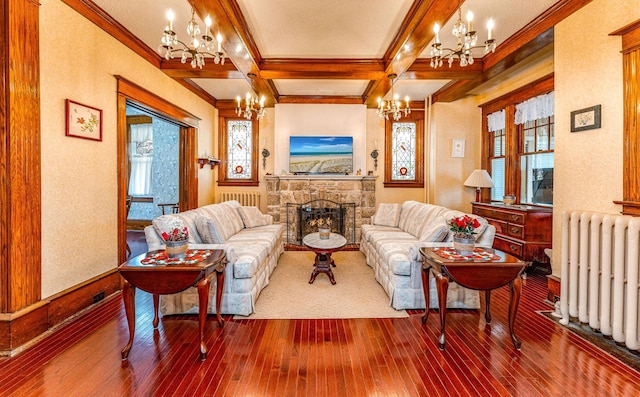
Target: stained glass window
403, 151
239, 149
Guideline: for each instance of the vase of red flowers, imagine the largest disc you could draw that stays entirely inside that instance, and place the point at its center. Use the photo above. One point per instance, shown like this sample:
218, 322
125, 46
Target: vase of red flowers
463, 228
176, 242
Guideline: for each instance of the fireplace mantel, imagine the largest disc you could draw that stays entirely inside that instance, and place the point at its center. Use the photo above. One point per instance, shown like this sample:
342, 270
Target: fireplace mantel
324, 177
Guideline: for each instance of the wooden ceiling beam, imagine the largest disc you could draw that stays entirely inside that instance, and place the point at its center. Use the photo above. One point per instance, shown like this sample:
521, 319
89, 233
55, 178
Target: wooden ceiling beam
413, 37
229, 21
422, 70
324, 99
349, 69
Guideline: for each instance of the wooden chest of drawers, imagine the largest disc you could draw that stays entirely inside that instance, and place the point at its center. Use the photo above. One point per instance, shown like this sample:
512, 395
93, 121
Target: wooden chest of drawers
522, 231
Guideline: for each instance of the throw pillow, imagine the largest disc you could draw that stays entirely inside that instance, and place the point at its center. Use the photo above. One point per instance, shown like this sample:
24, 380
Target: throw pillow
387, 215
209, 231
252, 217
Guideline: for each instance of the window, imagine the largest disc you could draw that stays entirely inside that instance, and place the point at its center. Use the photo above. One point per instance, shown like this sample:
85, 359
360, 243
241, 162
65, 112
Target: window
518, 143
404, 162
238, 140
536, 161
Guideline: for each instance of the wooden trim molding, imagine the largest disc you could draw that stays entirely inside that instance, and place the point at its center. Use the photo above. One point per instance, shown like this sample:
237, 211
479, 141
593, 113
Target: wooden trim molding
20, 165
631, 130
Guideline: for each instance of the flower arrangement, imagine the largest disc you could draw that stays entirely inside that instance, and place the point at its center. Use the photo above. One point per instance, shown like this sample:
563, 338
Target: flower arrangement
322, 223
176, 234
463, 226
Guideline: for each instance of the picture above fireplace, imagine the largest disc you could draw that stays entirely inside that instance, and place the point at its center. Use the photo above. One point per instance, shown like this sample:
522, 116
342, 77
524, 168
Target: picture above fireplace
321, 154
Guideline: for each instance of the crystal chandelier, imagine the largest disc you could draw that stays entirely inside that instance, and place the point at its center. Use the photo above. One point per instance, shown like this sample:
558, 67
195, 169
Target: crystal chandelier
199, 46
251, 104
393, 106
467, 41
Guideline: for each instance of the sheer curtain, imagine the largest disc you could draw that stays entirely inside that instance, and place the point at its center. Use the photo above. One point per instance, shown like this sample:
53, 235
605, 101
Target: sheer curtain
141, 156
534, 108
496, 120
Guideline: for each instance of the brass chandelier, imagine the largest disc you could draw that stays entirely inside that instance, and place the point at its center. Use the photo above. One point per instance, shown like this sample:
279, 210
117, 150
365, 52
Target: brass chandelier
393, 107
251, 104
467, 41
199, 46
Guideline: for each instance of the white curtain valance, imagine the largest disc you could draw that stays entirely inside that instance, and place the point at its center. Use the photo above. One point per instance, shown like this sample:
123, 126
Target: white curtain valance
495, 120
534, 108
141, 132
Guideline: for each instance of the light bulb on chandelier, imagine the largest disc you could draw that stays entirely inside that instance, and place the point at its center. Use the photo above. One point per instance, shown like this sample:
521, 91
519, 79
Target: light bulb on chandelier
251, 105
467, 41
393, 107
199, 46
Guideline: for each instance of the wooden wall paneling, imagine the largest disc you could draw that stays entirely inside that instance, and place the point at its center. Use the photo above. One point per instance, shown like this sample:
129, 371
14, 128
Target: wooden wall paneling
20, 217
631, 153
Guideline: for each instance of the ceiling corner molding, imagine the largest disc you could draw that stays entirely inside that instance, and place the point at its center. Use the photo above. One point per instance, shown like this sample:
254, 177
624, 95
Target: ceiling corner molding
100, 18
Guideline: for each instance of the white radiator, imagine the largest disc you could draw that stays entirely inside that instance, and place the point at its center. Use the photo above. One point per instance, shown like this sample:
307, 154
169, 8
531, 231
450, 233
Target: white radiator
599, 281
244, 198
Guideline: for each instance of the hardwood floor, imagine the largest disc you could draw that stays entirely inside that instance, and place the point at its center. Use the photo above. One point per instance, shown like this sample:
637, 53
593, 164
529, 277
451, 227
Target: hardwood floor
354, 357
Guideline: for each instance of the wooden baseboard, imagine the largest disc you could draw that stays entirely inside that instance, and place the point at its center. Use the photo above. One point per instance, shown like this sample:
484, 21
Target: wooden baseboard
19, 328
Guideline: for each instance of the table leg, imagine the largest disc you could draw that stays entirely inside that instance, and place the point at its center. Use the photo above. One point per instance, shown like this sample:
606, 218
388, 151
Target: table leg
487, 303
515, 288
442, 286
219, 290
203, 300
156, 303
425, 291
129, 298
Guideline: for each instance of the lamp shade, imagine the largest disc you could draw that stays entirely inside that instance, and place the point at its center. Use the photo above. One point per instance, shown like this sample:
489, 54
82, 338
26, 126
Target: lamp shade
479, 178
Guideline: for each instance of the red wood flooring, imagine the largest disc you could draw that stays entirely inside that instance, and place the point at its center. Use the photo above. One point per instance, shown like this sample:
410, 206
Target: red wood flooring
352, 357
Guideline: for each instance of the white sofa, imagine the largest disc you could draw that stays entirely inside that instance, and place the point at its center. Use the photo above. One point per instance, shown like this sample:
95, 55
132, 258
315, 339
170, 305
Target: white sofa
391, 245
252, 246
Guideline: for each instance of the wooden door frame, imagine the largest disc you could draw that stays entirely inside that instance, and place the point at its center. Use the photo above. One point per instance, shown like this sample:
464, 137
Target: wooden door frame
188, 172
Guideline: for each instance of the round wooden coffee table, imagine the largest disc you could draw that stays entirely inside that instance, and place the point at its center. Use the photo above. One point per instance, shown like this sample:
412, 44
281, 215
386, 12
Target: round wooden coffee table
323, 249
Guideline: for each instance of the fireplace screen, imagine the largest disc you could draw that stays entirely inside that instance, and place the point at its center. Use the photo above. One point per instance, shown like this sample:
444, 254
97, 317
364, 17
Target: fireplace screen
303, 219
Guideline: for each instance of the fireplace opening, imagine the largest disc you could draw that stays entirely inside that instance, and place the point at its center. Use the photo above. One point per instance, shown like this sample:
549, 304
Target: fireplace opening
302, 219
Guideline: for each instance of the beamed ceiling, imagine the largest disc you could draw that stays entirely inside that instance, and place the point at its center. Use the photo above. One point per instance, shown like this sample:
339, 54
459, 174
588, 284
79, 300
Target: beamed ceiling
332, 51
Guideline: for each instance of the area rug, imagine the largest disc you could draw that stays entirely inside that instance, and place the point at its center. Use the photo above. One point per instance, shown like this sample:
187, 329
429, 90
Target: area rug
356, 293
606, 344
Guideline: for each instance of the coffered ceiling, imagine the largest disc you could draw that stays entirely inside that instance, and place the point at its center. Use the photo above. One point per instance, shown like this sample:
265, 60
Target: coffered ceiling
332, 51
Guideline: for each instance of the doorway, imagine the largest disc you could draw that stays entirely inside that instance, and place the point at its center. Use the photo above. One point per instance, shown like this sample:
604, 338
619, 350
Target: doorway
182, 161
153, 148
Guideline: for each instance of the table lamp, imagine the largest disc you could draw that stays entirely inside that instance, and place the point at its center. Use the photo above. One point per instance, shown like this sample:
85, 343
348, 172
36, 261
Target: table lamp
479, 179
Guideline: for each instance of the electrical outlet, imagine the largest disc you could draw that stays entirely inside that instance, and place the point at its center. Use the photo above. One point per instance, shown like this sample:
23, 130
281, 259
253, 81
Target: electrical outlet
98, 297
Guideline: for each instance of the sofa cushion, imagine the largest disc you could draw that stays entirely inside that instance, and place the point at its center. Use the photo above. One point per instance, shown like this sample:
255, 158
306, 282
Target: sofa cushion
209, 230
387, 215
435, 231
252, 217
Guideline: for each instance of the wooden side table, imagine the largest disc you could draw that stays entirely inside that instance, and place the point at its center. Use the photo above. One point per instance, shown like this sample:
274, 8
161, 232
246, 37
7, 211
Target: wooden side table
323, 249
170, 279
473, 274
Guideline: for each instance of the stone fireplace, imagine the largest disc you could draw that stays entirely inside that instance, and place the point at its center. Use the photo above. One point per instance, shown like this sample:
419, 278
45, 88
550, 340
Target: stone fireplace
286, 194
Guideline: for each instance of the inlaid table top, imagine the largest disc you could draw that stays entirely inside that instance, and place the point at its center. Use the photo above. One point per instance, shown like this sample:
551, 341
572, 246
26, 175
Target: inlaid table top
334, 241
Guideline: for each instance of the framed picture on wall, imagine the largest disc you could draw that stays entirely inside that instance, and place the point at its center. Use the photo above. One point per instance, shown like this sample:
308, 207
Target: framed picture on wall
83, 121
585, 119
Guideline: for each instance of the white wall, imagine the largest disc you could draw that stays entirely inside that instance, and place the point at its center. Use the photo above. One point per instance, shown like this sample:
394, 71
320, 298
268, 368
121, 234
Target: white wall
327, 120
79, 177
588, 71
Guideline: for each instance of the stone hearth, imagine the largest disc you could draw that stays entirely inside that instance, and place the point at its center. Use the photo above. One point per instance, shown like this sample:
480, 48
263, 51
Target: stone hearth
300, 189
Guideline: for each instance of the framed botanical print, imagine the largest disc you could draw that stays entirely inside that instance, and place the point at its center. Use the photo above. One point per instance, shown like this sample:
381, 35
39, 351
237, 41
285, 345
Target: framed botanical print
83, 121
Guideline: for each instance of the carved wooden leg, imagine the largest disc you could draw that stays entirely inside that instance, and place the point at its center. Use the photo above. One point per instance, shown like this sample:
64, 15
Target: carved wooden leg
219, 290
515, 288
487, 303
129, 298
425, 291
203, 300
156, 303
442, 285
